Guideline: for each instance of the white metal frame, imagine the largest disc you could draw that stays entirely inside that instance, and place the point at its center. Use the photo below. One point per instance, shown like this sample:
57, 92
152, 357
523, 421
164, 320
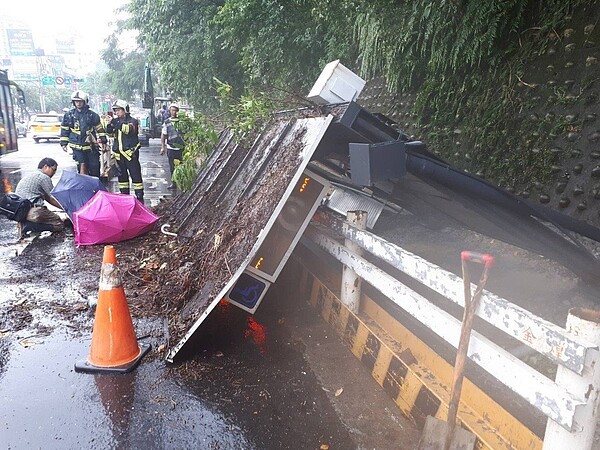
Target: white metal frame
272, 277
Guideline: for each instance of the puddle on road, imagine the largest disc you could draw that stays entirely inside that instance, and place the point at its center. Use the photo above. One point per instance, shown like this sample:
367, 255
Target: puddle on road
57, 407
248, 385
223, 397
38, 289
257, 374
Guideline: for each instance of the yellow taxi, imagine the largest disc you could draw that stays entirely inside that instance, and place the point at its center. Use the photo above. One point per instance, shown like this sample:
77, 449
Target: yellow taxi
45, 126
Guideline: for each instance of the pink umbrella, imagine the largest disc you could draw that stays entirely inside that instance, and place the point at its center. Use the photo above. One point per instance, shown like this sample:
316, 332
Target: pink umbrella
108, 218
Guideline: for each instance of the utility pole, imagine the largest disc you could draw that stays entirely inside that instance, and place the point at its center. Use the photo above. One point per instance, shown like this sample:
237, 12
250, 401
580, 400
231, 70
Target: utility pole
41, 72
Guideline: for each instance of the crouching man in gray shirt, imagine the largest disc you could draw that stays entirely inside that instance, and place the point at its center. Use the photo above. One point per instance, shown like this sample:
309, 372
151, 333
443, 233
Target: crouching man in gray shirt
36, 187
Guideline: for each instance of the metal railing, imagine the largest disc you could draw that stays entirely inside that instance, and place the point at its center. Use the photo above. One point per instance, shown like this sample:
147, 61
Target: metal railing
570, 401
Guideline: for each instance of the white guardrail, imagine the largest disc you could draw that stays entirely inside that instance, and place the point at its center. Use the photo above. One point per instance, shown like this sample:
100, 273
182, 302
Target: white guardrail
570, 401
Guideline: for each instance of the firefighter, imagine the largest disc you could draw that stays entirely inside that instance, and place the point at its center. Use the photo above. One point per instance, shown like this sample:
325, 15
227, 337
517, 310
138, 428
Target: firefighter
81, 130
126, 147
171, 139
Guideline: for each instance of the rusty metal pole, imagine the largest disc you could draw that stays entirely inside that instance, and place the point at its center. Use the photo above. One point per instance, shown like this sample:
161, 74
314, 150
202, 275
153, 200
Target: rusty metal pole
585, 324
351, 282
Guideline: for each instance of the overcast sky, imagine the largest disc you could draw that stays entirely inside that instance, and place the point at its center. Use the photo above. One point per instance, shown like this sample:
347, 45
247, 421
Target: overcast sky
90, 18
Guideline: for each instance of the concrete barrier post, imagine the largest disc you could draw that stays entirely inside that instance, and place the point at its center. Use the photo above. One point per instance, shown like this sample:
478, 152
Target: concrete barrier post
351, 282
585, 324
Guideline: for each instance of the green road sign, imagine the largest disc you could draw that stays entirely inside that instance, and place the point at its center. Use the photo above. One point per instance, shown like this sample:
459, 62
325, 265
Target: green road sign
47, 81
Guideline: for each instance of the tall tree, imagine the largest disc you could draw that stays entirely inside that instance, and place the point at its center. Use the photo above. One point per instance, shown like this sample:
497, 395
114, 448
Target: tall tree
185, 44
55, 98
126, 70
287, 42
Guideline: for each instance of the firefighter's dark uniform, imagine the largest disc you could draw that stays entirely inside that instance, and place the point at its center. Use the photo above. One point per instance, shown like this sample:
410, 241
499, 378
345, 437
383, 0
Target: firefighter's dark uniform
173, 130
79, 130
126, 147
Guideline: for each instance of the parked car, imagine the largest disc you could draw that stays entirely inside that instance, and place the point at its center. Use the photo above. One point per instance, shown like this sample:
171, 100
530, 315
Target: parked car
45, 126
21, 129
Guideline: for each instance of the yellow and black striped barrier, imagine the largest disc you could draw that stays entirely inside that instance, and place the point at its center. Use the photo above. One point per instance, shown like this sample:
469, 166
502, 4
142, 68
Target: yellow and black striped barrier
412, 373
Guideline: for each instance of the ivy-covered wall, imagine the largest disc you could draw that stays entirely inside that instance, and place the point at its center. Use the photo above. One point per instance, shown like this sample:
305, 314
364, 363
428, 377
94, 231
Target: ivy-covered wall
533, 128
504, 89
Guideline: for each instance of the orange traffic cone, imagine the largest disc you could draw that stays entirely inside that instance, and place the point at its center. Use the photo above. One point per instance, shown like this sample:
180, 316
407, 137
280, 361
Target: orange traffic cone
114, 344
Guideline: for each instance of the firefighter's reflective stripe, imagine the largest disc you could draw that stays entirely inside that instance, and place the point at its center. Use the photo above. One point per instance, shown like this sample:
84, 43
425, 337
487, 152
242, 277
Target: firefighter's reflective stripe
128, 154
100, 131
78, 124
137, 186
80, 147
125, 133
124, 185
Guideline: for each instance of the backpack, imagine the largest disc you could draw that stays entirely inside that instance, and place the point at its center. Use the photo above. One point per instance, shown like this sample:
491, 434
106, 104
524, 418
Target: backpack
14, 207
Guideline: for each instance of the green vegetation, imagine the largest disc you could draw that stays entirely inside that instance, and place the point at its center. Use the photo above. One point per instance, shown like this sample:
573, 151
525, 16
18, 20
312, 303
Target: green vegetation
55, 98
464, 61
245, 114
200, 137
183, 42
125, 75
242, 115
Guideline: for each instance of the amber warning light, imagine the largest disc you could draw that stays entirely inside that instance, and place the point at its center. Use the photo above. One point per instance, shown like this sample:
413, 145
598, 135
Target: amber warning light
304, 184
292, 219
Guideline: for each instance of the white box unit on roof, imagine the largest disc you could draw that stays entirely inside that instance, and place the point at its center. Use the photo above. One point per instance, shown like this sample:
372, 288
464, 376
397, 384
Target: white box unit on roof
336, 84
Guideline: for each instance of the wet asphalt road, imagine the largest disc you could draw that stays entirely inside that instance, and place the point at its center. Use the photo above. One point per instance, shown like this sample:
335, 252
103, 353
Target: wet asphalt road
278, 379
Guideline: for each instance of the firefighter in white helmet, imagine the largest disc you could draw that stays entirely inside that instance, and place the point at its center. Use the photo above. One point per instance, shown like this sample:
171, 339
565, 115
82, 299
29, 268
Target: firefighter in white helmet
171, 139
82, 130
126, 147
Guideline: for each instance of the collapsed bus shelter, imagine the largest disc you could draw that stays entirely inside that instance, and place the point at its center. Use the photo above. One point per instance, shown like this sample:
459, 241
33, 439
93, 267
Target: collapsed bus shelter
251, 203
